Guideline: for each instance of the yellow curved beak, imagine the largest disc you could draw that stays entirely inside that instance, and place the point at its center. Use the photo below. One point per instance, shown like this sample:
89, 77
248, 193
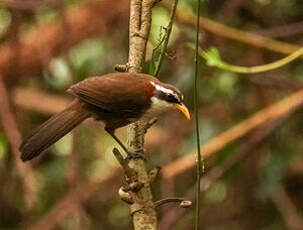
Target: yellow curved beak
183, 109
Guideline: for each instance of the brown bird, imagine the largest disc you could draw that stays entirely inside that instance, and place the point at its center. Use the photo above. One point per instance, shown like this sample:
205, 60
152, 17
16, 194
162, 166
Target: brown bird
117, 99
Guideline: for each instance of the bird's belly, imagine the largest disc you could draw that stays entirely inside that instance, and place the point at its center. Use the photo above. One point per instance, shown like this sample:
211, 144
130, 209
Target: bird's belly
118, 123
114, 120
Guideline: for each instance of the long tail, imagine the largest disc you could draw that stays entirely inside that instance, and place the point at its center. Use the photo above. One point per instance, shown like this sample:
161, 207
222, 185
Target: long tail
52, 130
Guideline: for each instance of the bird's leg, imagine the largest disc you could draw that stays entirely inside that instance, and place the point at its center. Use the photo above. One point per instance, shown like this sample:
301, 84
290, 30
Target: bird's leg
137, 154
130, 155
118, 141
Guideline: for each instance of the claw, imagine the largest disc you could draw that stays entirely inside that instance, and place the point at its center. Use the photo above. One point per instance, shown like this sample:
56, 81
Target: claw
137, 154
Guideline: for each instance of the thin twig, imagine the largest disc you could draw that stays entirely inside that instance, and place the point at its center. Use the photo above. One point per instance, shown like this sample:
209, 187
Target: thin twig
181, 201
165, 39
200, 162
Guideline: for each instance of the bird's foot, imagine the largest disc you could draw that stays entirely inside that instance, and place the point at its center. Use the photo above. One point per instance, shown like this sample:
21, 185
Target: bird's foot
137, 154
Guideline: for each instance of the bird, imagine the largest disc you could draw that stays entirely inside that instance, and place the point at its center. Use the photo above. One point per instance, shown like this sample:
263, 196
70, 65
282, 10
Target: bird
116, 99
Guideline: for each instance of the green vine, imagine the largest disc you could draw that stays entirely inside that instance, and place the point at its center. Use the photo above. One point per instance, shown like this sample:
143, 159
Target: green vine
200, 161
213, 58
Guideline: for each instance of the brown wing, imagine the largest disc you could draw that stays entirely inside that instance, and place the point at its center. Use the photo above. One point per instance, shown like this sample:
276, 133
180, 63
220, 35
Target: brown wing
116, 92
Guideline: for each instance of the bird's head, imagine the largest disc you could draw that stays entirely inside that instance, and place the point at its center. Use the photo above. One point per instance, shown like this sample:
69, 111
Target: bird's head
165, 97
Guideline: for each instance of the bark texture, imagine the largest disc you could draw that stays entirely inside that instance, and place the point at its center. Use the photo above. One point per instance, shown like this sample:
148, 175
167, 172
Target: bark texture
142, 209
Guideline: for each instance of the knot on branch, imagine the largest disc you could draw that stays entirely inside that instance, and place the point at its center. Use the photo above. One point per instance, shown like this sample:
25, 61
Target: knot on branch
125, 196
153, 174
140, 34
122, 67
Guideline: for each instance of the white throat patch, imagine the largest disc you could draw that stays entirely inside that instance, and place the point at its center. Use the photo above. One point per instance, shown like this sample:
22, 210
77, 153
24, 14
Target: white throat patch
157, 107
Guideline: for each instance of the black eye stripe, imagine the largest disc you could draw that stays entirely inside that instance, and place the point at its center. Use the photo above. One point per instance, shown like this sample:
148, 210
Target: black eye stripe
171, 98
174, 97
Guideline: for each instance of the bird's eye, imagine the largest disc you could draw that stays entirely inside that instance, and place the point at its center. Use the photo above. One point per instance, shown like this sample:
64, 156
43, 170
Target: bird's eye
171, 98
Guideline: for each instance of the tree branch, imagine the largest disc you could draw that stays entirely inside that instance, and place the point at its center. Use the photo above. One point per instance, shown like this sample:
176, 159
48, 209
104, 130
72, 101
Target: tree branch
142, 209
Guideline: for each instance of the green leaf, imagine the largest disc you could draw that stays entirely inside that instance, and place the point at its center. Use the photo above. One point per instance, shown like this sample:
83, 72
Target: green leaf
213, 57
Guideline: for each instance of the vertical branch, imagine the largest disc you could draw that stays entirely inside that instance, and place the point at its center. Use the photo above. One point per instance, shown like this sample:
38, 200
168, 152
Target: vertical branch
13, 134
200, 164
137, 36
142, 208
